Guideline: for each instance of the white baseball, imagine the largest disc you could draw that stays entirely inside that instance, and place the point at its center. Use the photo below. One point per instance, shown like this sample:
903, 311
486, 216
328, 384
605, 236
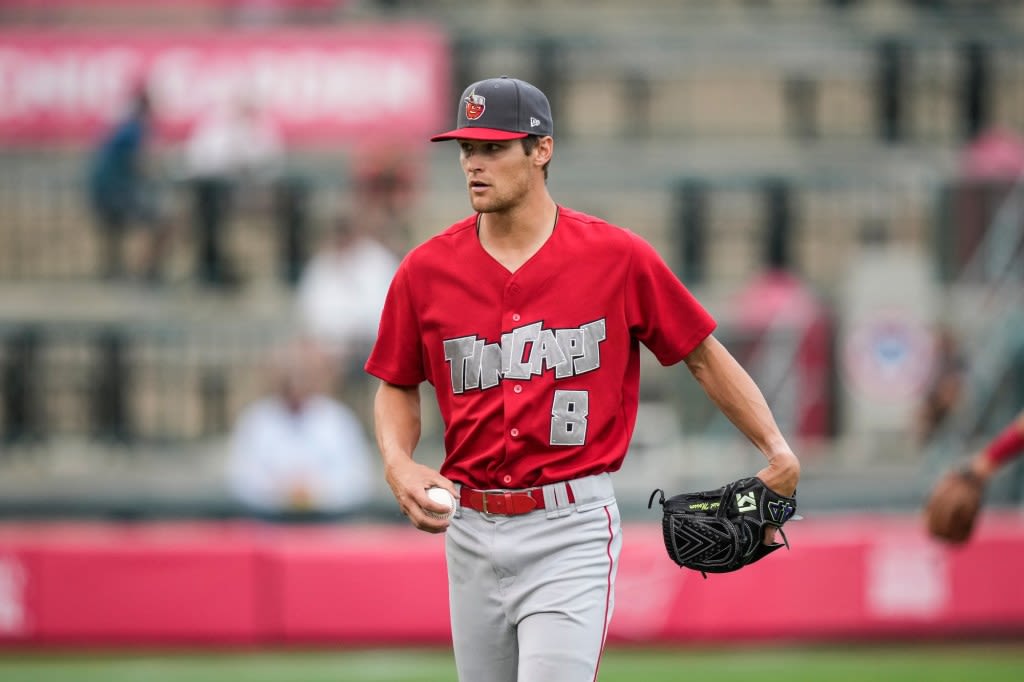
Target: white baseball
443, 497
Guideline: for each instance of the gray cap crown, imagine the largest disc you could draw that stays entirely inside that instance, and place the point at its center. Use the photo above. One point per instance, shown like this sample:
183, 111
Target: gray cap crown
501, 108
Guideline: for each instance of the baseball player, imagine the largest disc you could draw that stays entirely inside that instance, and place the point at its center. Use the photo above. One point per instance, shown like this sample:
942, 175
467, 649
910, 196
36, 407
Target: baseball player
955, 500
527, 318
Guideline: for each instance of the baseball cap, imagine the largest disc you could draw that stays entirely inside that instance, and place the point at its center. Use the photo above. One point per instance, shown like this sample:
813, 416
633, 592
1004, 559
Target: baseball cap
500, 109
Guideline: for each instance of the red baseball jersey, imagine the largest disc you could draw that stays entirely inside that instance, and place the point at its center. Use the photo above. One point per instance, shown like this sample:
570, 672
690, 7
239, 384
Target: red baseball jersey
536, 371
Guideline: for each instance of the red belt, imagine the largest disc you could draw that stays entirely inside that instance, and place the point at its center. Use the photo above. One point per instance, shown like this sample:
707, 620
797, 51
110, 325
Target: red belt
506, 502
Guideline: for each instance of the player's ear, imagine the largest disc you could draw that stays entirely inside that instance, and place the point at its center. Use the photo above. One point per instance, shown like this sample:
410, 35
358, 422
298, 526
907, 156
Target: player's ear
544, 150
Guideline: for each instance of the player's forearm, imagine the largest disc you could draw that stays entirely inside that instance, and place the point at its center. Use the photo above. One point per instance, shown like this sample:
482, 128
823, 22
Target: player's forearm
734, 392
397, 422
1006, 446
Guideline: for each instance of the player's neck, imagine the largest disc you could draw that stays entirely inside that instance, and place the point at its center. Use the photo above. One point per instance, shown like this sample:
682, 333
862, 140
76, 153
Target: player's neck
513, 237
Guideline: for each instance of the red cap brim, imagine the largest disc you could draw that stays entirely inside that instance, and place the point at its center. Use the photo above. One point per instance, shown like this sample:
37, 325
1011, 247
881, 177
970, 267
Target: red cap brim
478, 134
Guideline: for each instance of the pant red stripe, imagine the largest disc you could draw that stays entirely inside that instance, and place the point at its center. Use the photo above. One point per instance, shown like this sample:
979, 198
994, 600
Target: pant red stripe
608, 592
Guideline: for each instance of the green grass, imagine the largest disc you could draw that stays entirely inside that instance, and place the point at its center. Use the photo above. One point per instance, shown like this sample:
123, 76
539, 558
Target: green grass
928, 663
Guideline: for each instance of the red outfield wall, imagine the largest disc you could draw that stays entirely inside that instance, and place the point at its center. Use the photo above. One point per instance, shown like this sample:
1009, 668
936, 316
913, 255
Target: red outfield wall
243, 583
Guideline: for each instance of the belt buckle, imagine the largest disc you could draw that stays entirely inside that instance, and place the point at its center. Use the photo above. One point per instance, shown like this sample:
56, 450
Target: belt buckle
507, 496
483, 496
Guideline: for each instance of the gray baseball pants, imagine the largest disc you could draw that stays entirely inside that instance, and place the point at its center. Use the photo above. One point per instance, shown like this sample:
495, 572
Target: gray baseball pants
531, 595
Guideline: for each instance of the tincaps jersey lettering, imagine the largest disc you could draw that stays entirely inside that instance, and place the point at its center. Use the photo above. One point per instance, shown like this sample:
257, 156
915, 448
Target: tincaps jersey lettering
522, 353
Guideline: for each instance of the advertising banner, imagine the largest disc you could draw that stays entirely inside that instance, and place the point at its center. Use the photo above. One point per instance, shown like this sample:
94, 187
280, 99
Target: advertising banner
316, 86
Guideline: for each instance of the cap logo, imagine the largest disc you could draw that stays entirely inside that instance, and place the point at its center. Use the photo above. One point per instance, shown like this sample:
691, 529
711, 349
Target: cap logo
534, 122
475, 105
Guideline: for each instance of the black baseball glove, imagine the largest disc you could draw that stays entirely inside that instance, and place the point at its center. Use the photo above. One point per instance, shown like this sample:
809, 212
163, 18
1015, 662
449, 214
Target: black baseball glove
720, 531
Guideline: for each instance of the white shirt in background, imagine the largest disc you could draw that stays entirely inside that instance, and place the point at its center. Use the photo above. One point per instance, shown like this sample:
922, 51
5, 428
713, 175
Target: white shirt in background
321, 450
341, 293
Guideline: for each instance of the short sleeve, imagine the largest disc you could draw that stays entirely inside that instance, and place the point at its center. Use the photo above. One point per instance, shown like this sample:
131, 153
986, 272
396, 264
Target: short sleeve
660, 311
397, 356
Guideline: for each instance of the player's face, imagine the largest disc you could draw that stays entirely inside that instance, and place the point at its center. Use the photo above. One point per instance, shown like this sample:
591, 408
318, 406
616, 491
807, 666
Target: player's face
498, 174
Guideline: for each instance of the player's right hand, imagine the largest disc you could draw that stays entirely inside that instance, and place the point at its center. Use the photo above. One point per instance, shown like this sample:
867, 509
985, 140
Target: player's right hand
409, 481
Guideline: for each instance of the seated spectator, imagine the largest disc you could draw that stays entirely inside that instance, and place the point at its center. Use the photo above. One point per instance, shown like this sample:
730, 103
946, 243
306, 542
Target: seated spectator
297, 452
341, 293
122, 191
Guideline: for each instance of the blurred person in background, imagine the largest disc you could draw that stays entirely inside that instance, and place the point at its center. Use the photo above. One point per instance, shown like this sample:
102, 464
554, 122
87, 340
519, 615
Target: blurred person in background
991, 166
341, 292
299, 453
122, 191
956, 499
385, 189
233, 154
945, 385
996, 153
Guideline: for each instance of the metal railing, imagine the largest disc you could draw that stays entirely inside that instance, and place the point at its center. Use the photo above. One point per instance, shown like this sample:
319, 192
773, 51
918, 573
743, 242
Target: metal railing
130, 385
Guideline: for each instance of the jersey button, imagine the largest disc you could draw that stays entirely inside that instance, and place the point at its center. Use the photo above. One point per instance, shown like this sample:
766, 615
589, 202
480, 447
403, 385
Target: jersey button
514, 433
507, 479
518, 388
515, 317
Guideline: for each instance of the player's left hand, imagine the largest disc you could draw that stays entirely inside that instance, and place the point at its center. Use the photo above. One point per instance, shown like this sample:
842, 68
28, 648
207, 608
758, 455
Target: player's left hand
781, 476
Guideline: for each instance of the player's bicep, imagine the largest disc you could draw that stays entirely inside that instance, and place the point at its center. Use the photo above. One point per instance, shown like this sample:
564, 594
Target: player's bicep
700, 359
397, 402
396, 411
